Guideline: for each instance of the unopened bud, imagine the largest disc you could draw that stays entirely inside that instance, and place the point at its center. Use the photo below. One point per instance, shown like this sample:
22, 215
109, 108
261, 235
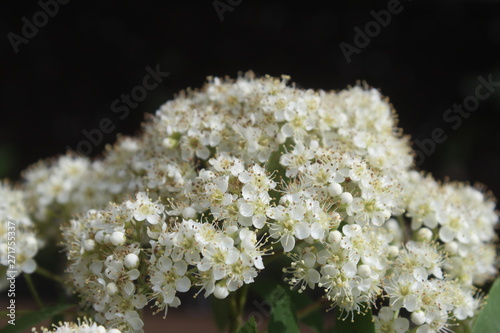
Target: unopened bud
117, 238
131, 260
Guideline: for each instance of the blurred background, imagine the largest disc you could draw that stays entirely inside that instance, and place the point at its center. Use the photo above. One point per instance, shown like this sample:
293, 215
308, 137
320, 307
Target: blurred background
60, 78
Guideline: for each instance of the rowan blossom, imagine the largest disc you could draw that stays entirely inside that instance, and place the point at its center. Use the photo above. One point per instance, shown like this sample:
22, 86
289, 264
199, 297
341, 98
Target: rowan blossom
223, 176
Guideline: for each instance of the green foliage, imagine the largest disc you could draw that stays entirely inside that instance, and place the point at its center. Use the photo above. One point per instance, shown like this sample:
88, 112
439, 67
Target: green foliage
32, 319
489, 317
282, 318
249, 327
287, 308
361, 323
308, 311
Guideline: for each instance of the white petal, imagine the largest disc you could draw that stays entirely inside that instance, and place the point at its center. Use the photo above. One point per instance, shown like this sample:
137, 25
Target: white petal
203, 153
129, 288
309, 259
232, 256
446, 234
183, 284
313, 276
297, 213
133, 274
29, 266
411, 303
153, 219
302, 230
317, 231
349, 269
245, 177
401, 325
227, 199
386, 314
246, 209
287, 130
288, 242
259, 221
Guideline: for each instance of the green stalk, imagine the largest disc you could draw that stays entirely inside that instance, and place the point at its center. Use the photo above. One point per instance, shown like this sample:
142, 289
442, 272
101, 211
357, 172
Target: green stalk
233, 313
32, 288
304, 312
45, 273
404, 228
237, 301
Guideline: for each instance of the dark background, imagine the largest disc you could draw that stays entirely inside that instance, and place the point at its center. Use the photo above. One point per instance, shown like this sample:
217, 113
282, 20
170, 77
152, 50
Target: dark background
428, 58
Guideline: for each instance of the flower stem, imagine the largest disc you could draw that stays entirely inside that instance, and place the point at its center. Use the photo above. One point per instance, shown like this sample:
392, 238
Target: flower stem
237, 302
404, 228
304, 312
45, 273
32, 288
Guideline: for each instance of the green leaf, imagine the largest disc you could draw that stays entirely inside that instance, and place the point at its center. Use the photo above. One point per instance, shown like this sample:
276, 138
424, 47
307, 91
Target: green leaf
249, 327
489, 318
361, 323
26, 322
283, 319
267, 289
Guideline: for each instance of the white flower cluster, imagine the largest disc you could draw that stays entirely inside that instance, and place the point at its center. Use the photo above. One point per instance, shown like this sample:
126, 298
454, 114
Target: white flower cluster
106, 250
57, 188
82, 326
460, 217
419, 286
18, 240
221, 175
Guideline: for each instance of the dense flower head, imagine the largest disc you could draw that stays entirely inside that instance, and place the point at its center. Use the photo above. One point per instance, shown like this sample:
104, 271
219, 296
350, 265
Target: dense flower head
245, 168
19, 242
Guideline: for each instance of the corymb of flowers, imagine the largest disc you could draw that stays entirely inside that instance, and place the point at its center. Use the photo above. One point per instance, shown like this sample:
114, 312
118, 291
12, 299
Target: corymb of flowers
223, 180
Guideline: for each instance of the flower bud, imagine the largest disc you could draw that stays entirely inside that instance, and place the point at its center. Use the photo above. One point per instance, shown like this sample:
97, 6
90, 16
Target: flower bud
418, 317
131, 260
99, 236
346, 198
89, 244
113, 330
170, 142
451, 247
111, 288
117, 238
424, 235
188, 213
393, 251
364, 271
334, 236
334, 189
221, 292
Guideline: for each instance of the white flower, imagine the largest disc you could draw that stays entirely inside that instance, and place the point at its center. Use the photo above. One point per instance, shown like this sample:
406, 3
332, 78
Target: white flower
167, 278
145, 209
303, 271
225, 163
256, 181
386, 323
403, 291
299, 158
